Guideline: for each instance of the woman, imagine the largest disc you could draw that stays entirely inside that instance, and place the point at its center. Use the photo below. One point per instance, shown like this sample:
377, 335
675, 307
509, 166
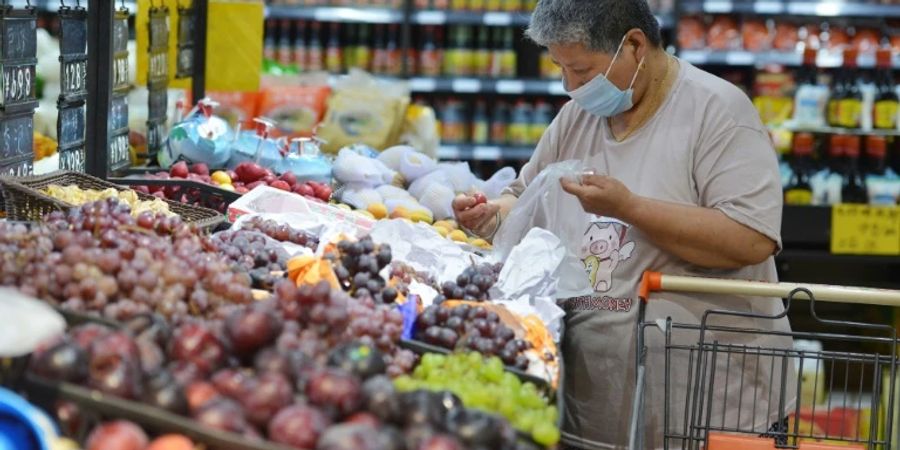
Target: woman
687, 183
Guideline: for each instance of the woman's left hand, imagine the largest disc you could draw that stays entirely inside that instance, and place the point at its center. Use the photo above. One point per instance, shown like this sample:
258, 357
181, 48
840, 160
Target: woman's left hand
601, 195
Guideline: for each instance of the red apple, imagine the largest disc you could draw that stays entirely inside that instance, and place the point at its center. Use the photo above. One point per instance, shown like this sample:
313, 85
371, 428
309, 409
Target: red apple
200, 169
290, 178
249, 172
254, 184
279, 184
200, 393
179, 170
241, 190
305, 190
322, 191
269, 179
117, 435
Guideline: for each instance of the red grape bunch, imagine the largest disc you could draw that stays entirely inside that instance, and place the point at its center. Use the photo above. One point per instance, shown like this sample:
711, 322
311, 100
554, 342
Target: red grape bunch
472, 284
99, 258
255, 253
474, 328
281, 232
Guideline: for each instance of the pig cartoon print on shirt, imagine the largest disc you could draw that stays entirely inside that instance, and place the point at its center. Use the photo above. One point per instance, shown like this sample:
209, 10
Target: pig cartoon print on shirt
603, 249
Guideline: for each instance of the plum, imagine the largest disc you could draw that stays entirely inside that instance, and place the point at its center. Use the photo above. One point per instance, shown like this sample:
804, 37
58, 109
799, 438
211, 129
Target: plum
196, 343
266, 396
222, 414
380, 398
116, 435
231, 382
272, 360
249, 172
66, 361
199, 394
179, 170
280, 184
200, 169
350, 437
164, 392
289, 178
298, 426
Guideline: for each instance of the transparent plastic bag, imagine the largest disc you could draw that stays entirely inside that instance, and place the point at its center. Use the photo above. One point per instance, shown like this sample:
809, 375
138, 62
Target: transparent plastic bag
545, 205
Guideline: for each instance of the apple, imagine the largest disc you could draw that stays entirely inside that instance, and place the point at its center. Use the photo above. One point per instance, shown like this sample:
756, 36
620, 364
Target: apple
305, 190
117, 435
241, 189
249, 172
280, 184
179, 170
322, 191
200, 169
233, 175
289, 178
254, 184
269, 179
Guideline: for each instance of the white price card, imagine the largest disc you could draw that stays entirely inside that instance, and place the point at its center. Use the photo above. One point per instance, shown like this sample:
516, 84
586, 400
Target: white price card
497, 19
466, 86
422, 84
717, 6
768, 7
510, 87
739, 58
487, 153
448, 152
431, 17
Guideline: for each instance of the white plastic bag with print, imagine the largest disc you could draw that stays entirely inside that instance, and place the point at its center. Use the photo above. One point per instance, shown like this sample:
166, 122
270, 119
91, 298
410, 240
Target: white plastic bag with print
545, 205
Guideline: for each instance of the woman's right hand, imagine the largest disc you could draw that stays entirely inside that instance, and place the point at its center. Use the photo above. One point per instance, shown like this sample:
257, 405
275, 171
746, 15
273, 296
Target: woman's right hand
475, 215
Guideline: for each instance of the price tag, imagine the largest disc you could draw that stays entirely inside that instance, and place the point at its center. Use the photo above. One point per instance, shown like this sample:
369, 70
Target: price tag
510, 87
70, 122
20, 168
18, 83
422, 84
717, 7
865, 230
487, 153
16, 136
431, 17
497, 19
768, 7
466, 86
118, 151
157, 79
121, 82
184, 66
18, 58
70, 133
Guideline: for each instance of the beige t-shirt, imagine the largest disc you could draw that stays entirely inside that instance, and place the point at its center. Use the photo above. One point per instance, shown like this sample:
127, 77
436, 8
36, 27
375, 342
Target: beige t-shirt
706, 146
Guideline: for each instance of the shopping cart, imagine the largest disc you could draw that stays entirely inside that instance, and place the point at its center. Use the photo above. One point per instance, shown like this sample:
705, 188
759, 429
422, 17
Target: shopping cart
725, 390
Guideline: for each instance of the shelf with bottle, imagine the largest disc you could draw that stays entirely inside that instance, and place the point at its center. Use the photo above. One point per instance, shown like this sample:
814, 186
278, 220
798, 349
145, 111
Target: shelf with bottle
336, 13
824, 8
471, 129
746, 41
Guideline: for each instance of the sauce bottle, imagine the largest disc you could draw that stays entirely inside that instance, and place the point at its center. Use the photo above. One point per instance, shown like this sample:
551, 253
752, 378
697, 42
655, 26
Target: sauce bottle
499, 124
453, 125
480, 126
394, 56
481, 57
300, 51
854, 186
333, 53
379, 53
519, 124
314, 62
850, 104
503, 61
543, 115
799, 190
430, 56
270, 46
364, 49
349, 45
884, 115
285, 46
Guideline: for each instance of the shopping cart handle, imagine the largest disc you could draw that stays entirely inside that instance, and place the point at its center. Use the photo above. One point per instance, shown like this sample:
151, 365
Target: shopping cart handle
650, 282
657, 282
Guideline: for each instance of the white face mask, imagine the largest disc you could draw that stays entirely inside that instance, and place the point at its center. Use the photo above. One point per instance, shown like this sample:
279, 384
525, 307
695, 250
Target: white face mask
601, 97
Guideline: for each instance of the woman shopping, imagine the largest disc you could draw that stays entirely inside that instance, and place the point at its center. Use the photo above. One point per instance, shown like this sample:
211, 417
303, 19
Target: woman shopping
686, 182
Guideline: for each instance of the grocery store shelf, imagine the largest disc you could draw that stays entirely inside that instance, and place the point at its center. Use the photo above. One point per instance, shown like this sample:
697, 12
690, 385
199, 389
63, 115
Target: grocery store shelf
335, 14
791, 59
486, 86
497, 19
832, 130
484, 152
798, 8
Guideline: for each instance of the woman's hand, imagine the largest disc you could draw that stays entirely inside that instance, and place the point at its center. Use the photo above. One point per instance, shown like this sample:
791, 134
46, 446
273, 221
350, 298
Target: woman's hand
600, 195
474, 214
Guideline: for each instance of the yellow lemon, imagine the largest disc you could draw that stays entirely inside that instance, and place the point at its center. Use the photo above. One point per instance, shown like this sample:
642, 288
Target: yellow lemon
220, 177
441, 230
227, 186
420, 216
458, 236
378, 210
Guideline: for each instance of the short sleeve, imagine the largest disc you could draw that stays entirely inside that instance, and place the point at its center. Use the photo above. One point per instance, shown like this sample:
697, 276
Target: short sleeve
546, 153
737, 173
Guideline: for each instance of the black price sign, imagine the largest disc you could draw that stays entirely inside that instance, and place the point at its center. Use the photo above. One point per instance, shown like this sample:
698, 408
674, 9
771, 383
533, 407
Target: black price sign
73, 53
70, 134
16, 136
158, 78
18, 59
18, 168
118, 113
121, 82
184, 67
118, 151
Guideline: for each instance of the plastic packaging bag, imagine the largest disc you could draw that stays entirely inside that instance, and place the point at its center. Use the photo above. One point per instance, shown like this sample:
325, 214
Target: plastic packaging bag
25, 323
545, 205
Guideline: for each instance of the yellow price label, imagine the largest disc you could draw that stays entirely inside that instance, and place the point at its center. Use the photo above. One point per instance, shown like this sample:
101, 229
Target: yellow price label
865, 230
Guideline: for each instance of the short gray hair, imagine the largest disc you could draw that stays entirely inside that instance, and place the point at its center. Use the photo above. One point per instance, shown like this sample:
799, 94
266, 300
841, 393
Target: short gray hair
597, 24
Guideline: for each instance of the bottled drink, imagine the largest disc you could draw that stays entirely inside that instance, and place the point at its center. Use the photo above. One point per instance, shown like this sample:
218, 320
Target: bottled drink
348, 44
314, 63
837, 153
394, 57
379, 53
799, 191
430, 56
503, 61
480, 127
453, 124
499, 124
363, 49
300, 50
876, 155
285, 46
520, 123
543, 115
853, 189
847, 103
333, 52
808, 74
270, 44
884, 116
482, 54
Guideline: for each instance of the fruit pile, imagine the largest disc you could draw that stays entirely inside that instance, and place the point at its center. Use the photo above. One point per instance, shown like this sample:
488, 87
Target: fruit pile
100, 258
357, 266
482, 384
472, 328
77, 196
281, 232
254, 253
450, 230
125, 435
473, 283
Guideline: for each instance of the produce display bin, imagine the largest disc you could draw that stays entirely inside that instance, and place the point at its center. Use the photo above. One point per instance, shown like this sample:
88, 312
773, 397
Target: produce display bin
24, 200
